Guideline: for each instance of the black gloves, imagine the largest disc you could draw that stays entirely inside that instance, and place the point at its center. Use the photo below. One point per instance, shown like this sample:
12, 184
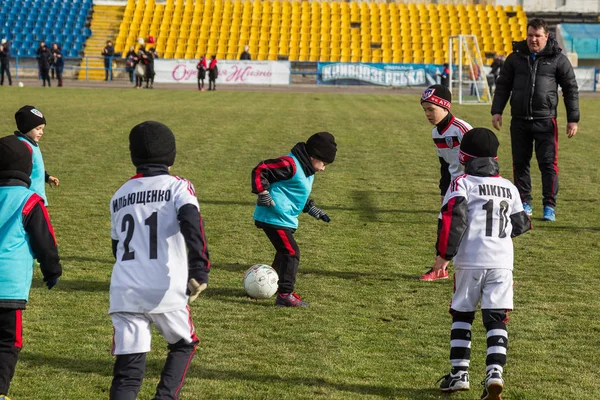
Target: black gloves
315, 212
51, 283
265, 199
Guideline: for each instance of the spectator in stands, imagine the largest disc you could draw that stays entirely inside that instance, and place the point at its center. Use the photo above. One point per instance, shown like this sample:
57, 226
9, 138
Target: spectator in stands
246, 54
59, 63
44, 58
530, 78
445, 76
5, 62
495, 72
151, 54
140, 66
108, 52
201, 67
213, 73
131, 59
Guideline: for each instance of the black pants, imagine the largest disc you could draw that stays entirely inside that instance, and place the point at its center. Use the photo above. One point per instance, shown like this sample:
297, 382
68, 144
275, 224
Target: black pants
287, 256
200, 83
45, 74
543, 135
11, 340
5, 69
59, 71
129, 369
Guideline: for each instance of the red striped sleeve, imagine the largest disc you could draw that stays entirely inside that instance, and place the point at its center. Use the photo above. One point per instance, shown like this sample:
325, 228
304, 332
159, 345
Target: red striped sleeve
282, 162
31, 203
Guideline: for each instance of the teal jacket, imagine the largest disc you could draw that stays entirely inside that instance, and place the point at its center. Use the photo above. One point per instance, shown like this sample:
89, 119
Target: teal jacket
38, 172
289, 180
25, 233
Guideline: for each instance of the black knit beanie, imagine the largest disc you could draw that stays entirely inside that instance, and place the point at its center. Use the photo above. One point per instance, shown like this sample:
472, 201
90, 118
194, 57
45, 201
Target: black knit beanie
29, 117
478, 142
439, 95
322, 146
15, 155
152, 143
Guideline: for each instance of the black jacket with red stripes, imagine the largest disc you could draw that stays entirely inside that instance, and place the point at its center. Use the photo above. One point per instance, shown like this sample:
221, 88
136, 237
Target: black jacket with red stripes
280, 169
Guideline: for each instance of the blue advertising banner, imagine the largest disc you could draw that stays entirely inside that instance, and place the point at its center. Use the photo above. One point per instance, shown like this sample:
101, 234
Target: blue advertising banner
397, 75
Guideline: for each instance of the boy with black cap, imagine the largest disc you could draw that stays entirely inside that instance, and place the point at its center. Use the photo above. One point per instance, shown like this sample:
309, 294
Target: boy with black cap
283, 186
447, 135
26, 233
162, 264
30, 125
480, 215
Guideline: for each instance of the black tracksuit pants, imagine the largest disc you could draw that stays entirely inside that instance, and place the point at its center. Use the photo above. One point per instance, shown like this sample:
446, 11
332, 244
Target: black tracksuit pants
5, 69
541, 134
11, 329
128, 373
287, 256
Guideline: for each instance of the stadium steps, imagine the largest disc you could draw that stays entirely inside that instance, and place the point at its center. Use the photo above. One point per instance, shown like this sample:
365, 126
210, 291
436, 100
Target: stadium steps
105, 26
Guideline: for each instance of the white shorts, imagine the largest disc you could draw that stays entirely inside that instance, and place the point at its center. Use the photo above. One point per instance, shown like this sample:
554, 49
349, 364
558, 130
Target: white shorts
133, 333
494, 287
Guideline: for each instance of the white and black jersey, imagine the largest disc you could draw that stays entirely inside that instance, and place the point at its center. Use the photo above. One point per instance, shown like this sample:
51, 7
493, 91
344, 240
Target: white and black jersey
447, 136
481, 213
158, 242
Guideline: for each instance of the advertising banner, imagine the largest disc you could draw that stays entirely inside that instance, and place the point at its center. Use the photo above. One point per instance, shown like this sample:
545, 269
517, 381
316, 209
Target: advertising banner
586, 78
397, 75
230, 72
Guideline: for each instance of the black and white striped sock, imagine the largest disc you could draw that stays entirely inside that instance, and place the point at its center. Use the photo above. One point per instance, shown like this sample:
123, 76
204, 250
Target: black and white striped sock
460, 344
497, 344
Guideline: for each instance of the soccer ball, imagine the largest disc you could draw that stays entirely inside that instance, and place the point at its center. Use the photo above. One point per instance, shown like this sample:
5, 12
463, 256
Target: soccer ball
21, 84
260, 281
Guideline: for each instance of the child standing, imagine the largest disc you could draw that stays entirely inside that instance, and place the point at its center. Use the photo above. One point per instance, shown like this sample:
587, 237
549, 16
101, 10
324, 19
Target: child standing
283, 186
201, 67
480, 215
162, 263
26, 233
213, 73
30, 125
447, 135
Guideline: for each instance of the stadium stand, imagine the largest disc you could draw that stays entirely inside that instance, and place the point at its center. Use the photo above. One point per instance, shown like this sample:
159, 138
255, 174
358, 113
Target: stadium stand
583, 39
25, 22
105, 26
317, 31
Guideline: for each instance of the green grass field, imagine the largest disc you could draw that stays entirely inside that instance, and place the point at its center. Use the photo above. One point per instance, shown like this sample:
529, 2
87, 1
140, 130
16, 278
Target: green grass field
373, 331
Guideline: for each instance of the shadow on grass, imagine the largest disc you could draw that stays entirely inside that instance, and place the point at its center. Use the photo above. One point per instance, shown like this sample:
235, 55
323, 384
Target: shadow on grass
104, 366
363, 200
106, 261
67, 285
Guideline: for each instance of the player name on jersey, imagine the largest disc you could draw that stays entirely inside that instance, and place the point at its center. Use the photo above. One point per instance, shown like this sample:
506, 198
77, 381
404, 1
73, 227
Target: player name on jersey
493, 190
147, 196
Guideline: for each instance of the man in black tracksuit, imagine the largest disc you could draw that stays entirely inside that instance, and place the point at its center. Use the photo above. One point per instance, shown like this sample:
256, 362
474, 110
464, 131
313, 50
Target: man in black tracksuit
530, 78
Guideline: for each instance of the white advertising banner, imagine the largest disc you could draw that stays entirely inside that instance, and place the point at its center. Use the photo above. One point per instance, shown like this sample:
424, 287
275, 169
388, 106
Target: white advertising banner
230, 72
586, 78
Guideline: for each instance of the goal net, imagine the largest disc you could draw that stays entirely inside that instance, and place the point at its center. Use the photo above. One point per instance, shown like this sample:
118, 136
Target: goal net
468, 82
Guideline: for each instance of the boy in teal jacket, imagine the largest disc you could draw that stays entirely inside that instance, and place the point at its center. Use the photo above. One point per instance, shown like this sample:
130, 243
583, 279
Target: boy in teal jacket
283, 186
25, 233
30, 125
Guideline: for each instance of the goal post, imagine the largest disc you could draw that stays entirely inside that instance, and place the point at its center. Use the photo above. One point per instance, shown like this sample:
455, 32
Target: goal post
468, 81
